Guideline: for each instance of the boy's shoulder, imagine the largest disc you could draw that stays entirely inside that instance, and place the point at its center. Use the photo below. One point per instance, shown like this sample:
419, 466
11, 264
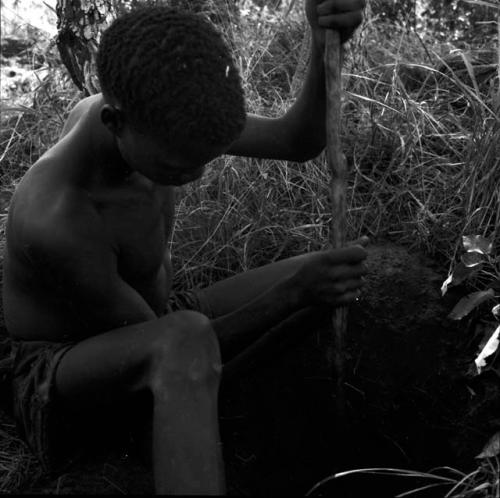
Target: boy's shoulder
45, 217
78, 111
47, 193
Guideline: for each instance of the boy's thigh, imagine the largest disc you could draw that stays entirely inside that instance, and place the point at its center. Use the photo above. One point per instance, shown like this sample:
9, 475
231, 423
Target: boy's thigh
66, 394
232, 293
57, 432
115, 365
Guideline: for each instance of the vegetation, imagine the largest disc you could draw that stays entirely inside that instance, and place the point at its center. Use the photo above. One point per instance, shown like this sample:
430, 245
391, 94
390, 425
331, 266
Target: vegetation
421, 133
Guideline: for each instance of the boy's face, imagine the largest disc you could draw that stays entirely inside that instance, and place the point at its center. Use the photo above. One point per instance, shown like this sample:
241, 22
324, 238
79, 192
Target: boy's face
160, 162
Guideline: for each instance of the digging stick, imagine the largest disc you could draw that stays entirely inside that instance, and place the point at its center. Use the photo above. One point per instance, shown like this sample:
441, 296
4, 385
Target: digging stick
337, 167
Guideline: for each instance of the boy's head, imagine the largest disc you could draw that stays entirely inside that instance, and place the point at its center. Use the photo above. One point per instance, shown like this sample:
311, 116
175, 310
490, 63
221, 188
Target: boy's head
173, 80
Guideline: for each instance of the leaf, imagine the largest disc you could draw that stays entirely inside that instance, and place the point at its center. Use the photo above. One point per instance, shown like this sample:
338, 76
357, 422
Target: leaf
482, 2
471, 259
477, 243
458, 275
49, 7
447, 282
468, 303
490, 347
496, 311
491, 448
19, 108
462, 272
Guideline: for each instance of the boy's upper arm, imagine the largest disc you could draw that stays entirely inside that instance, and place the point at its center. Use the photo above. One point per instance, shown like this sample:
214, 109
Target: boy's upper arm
264, 138
283, 138
80, 264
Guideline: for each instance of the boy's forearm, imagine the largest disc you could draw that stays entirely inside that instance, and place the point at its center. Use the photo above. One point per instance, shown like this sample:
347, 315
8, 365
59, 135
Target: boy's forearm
239, 329
306, 118
299, 134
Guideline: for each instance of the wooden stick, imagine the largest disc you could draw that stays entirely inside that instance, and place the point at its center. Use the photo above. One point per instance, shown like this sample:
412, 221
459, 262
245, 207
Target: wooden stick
337, 166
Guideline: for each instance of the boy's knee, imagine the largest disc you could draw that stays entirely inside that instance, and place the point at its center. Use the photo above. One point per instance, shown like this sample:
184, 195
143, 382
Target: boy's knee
187, 350
188, 320
192, 332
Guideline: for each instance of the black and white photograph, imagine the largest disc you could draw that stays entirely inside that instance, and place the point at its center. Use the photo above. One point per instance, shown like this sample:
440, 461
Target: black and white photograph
250, 248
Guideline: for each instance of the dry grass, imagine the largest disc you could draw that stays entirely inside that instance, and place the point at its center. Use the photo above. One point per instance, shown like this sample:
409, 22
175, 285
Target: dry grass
17, 465
424, 142
484, 482
421, 139
420, 131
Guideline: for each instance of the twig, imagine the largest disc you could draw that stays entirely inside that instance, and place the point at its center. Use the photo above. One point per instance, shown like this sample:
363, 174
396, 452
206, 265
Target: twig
337, 191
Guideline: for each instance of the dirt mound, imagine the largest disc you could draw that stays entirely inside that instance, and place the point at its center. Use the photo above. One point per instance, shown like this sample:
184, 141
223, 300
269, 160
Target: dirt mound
408, 399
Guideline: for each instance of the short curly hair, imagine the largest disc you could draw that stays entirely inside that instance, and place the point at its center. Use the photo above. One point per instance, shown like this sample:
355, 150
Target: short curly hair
173, 76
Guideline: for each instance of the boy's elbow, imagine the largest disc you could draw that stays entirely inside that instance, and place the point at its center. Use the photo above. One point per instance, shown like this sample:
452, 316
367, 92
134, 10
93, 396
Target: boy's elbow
307, 152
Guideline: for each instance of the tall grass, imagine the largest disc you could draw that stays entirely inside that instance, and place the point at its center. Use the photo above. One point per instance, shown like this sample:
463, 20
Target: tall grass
445, 482
420, 135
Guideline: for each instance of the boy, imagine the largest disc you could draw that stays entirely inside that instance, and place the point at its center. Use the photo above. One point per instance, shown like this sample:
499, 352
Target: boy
87, 270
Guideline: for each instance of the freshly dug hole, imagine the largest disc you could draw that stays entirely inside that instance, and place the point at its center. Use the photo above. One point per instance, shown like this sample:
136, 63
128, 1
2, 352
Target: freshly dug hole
406, 387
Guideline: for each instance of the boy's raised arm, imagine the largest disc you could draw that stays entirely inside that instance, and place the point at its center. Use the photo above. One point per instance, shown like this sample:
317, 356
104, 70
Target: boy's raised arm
299, 135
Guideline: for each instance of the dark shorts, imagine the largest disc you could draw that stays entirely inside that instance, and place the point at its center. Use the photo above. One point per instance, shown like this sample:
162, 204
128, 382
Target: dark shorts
52, 434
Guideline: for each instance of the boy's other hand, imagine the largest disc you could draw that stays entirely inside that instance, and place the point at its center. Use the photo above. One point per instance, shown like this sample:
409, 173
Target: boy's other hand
332, 277
342, 15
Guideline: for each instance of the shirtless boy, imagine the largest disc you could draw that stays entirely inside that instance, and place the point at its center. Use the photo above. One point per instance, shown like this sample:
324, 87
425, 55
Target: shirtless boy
87, 271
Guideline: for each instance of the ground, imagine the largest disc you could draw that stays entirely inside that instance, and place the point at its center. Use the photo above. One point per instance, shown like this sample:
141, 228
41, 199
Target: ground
409, 401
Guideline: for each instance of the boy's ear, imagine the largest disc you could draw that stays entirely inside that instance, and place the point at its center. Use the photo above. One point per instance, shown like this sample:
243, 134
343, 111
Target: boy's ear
113, 119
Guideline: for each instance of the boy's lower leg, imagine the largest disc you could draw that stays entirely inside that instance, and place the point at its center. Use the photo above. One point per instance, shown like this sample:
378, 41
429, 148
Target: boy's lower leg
187, 453
176, 360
